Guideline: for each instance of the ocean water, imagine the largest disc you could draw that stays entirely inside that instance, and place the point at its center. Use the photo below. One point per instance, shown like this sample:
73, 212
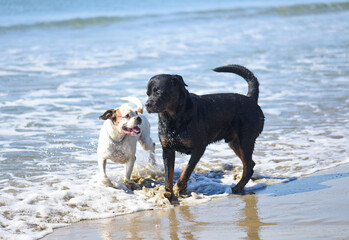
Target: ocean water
63, 63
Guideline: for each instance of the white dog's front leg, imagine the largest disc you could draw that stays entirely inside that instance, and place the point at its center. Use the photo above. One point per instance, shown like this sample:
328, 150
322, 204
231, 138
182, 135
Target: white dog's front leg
152, 155
129, 168
148, 145
102, 163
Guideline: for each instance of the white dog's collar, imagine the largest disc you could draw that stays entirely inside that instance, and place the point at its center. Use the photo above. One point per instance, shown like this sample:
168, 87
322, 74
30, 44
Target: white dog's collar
115, 142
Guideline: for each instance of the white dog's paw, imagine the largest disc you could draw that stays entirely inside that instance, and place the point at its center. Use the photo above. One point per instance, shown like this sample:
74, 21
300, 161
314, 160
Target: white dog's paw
107, 182
126, 187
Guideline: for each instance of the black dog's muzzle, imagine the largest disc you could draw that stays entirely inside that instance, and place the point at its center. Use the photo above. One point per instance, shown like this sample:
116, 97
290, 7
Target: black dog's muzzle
149, 105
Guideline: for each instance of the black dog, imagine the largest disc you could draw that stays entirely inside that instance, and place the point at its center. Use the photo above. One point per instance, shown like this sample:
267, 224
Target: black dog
188, 122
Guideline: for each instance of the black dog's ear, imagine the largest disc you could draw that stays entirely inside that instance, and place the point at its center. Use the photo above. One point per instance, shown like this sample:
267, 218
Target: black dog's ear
178, 79
109, 114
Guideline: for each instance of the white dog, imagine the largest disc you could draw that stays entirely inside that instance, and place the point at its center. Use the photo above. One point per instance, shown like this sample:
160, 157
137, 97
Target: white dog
118, 138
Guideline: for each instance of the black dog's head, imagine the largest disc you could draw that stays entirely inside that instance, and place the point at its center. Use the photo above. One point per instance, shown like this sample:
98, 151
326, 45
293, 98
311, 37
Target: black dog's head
164, 92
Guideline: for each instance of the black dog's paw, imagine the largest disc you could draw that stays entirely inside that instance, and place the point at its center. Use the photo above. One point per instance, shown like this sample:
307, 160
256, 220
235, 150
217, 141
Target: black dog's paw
180, 188
171, 197
241, 191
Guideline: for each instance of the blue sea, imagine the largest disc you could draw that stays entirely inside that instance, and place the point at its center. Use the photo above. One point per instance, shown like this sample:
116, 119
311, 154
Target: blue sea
63, 63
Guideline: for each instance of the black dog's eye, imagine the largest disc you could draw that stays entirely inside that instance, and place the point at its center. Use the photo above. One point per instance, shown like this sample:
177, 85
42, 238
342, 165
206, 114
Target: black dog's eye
156, 91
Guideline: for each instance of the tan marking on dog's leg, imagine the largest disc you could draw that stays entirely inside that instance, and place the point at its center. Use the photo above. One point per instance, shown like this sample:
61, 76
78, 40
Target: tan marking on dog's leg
181, 178
181, 185
194, 159
164, 142
245, 156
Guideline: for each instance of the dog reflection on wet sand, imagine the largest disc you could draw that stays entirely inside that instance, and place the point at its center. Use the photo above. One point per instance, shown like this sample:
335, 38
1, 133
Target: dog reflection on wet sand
237, 219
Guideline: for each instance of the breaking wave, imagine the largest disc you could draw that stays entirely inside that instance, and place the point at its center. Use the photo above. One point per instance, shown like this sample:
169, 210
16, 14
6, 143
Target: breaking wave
237, 12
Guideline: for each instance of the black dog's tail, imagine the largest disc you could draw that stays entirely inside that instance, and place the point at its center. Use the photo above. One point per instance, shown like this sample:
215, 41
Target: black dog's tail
253, 85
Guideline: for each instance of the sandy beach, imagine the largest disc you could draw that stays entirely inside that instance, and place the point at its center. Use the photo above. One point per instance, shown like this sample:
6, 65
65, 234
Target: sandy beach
312, 207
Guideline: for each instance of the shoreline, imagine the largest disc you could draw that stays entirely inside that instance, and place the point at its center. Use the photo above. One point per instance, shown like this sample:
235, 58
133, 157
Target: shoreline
311, 207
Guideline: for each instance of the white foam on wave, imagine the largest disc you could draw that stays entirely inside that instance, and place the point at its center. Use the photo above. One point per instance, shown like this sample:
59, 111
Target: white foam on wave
32, 207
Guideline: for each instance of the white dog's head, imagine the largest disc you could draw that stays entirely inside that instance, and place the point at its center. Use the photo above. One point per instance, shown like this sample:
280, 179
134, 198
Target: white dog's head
124, 119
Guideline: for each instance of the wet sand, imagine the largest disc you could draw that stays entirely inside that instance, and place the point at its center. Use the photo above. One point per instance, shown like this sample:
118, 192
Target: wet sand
313, 207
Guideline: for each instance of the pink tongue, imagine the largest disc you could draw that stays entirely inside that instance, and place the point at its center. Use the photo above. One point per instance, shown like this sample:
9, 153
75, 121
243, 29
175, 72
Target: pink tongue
132, 131
135, 130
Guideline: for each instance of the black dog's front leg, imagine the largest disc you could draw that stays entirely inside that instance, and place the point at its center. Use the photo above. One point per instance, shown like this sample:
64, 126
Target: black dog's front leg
194, 159
169, 162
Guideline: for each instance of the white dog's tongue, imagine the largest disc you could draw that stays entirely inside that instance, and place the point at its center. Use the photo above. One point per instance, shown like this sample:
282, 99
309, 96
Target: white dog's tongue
132, 131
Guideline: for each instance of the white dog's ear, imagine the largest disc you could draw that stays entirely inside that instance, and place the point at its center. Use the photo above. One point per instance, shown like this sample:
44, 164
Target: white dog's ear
112, 114
140, 110
107, 115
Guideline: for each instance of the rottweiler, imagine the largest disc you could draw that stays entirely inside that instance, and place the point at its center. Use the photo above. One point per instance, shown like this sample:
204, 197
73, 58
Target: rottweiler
189, 122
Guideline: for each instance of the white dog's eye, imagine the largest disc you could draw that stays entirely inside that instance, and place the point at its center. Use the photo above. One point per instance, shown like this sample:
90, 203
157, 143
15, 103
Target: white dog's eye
128, 116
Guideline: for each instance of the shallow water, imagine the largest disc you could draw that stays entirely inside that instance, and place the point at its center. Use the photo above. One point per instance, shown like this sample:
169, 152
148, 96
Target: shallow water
63, 64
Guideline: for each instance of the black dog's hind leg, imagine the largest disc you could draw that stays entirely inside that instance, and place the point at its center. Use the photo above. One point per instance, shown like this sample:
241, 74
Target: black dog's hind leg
194, 159
244, 151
